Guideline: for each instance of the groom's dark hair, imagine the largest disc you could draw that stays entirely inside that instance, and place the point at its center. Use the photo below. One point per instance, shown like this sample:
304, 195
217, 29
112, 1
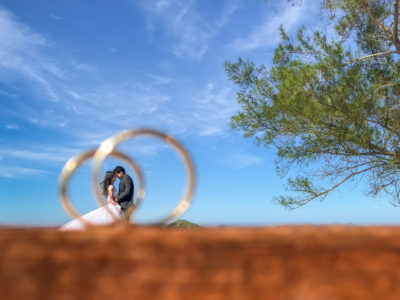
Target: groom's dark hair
118, 169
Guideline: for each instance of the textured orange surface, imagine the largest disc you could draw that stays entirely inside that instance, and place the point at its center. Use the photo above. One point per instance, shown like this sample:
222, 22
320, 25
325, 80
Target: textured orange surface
296, 262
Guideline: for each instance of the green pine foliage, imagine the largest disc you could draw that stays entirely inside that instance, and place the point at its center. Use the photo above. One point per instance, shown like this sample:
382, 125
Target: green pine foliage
330, 104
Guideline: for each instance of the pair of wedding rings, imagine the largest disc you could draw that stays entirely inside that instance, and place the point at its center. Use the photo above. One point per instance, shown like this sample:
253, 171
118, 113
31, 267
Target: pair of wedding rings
108, 147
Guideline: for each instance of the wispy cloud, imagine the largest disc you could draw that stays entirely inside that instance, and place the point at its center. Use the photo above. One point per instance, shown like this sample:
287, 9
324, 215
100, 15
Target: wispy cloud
211, 130
245, 160
214, 107
73, 94
55, 17
84, 109
156, 79
21, 53
11, 95
190, 30
49, 154
15, 172
267, 34
228, 11
84, 66
241, 160
12, 126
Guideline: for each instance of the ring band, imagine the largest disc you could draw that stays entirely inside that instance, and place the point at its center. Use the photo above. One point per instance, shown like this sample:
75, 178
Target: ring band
108, 146
71, 166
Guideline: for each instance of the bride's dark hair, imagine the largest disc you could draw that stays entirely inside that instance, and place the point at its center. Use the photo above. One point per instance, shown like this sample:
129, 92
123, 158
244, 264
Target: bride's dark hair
106, 182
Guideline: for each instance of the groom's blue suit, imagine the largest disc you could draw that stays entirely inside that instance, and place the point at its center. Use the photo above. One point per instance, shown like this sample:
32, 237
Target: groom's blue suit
126, 191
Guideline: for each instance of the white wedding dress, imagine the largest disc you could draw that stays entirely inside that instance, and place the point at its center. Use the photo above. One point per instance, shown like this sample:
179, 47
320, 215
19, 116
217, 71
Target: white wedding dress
102, 216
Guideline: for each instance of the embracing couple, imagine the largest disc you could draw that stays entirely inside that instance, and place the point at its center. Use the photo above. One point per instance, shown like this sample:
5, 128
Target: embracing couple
118, 201
123, 197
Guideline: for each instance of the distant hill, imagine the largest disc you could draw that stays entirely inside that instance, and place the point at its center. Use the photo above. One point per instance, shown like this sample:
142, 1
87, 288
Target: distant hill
182, 224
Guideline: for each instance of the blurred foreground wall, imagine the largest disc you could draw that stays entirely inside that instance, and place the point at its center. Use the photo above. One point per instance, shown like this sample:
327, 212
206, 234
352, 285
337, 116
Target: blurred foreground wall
328, 262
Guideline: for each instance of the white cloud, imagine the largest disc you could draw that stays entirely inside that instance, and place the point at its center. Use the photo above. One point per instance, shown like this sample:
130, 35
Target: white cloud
211, 131
145, 149
55, 17
228, 11
20, 35
92, 139
47, 155
86, 108
267, 34
156, 79
12, 126
242, 160
213, 109
191, 32
84, 67
21, 53
11, 95
162, 3
74, 95
15, 172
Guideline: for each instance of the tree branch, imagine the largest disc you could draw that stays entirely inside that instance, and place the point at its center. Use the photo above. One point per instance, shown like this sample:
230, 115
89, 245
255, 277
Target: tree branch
341, 170
387, 85
396, 24
390, 135
369, 56
324, 193
349, 153
382, 27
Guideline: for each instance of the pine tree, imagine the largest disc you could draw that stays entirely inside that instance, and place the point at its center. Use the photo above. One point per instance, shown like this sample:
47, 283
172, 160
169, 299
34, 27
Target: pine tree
331, 106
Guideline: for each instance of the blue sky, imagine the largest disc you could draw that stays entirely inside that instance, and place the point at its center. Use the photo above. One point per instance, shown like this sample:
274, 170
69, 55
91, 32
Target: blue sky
73, 73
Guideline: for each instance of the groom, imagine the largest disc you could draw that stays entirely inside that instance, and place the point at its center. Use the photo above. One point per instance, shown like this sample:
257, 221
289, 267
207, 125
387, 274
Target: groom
126, 188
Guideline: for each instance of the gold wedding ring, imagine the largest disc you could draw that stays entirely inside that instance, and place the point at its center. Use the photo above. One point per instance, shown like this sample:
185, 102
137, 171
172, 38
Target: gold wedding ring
72, 165
109, 145
108, 148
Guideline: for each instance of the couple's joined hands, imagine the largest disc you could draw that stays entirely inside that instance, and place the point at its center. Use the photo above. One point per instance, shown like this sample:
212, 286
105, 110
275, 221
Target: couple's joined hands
113, 201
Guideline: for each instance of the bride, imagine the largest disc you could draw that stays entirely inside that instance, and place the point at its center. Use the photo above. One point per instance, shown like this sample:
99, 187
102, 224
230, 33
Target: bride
103, 215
